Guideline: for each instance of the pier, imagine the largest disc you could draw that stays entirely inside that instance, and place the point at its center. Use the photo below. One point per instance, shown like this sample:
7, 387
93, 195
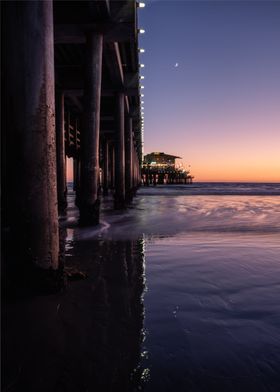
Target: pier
159, 168
70, 77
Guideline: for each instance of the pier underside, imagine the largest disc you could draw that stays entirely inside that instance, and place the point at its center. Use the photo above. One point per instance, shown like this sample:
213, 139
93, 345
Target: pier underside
70, 77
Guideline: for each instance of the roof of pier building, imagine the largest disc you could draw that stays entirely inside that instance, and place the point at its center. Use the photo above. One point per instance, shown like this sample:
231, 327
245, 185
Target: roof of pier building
117, 20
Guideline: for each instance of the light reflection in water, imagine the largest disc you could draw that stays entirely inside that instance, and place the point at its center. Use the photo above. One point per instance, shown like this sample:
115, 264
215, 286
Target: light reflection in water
212, 311
207, 269
116, 276
88, 337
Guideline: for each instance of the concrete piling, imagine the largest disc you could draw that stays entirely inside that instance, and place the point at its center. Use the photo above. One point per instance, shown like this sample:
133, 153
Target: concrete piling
89, 203
120, 154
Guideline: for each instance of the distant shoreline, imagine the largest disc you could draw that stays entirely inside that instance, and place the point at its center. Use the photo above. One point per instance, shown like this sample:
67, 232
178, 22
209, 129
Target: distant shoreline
214, 182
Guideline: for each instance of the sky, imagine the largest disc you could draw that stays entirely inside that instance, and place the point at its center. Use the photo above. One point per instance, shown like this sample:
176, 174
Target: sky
212, 86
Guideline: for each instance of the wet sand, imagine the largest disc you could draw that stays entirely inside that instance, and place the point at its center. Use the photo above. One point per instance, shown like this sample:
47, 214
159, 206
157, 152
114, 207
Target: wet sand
212, 313
87, 337
176, 293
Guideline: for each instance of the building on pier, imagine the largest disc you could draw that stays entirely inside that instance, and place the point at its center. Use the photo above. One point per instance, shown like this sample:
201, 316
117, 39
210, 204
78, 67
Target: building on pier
160, 160
160, 168
70, 88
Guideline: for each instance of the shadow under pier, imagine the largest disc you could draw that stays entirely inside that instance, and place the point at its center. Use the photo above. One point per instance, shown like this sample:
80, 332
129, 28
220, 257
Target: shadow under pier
87, 337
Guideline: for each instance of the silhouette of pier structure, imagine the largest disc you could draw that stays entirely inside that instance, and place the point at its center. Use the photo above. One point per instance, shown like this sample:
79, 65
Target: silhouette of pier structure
70, 83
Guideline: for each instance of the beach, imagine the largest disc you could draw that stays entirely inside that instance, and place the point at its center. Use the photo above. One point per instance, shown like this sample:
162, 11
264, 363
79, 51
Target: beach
179, 292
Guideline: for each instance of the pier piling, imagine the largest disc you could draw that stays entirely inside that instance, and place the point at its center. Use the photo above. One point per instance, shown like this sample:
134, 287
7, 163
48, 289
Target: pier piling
30, 141
105, 167
70, 79
120, 154
60, 152
128, 159
89, 203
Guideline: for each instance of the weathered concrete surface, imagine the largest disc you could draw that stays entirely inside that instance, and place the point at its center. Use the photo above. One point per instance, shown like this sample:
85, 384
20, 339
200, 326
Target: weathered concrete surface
89, 198
105, 167
29, 136
128, 159
87, 338
60, 152
120, 154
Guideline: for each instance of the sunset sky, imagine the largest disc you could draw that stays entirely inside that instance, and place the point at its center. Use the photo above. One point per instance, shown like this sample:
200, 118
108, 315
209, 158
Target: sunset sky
212, 86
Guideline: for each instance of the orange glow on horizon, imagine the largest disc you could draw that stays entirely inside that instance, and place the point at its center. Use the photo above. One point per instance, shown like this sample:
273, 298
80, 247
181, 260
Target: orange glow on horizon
224, 167
232, 154
211, 172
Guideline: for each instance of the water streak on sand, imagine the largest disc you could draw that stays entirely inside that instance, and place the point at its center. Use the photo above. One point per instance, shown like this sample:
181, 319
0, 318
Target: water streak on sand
211, 264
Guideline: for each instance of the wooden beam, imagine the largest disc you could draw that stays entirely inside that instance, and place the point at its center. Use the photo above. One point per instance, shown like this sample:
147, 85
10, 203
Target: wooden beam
126, 103
75, 101
75, 33
131, 80
78, 92
112, 59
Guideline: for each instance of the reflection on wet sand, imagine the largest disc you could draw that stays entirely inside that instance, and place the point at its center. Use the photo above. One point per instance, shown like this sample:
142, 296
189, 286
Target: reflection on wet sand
88, 337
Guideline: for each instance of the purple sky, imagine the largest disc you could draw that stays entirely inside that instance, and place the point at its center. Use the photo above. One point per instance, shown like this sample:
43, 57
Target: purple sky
212, 86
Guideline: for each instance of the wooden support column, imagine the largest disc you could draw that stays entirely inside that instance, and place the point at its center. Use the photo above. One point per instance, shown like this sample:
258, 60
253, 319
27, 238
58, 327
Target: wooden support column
105, 167
138, 172
133, 167
135, 178
120, 155
60, 153
76, 134
128, 159
30, 144
112, 166
89, 203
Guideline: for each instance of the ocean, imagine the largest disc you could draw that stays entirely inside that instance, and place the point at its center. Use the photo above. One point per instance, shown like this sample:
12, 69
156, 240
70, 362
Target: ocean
209, 277
179, 292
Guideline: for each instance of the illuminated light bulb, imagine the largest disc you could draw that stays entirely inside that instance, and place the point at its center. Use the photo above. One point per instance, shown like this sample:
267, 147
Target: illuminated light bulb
142, 102
141, 50
141, 5
142, 87
142, 77
142, 95
141, 31
142, 65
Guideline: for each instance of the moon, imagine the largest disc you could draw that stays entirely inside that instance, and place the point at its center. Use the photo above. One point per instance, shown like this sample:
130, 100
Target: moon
176, 65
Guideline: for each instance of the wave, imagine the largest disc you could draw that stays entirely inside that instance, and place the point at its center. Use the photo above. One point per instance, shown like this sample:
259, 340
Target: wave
168, 216
214, 188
